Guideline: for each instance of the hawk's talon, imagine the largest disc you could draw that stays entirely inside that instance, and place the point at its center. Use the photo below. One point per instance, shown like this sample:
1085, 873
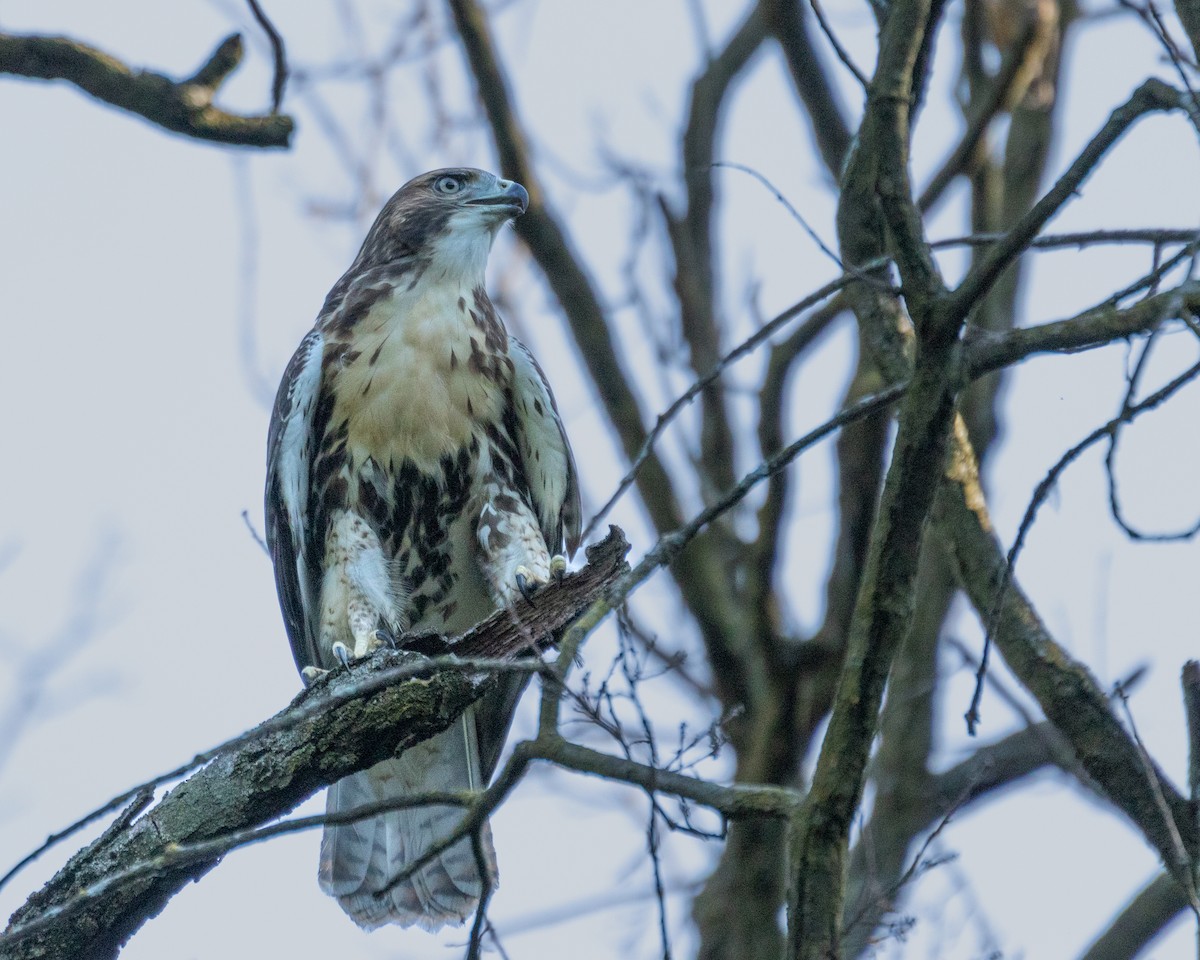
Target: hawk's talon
342, 652
386, 637
526, 584
558, 567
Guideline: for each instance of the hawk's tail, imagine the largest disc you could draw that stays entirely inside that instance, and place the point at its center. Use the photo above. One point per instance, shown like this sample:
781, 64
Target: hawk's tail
358, 860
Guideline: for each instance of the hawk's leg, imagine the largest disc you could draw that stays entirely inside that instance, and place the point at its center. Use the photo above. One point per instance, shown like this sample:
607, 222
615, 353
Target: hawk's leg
511, 551
361, 599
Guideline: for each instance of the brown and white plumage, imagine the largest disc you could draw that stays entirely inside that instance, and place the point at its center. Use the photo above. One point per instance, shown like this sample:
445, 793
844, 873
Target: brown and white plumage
417, 472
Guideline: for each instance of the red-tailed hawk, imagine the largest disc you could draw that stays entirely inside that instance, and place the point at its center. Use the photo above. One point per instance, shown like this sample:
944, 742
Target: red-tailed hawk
418, 477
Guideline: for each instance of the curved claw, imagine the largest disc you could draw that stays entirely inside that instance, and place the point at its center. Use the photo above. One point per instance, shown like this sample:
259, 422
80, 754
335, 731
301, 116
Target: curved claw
383, 636
525, 586
342, 652
558, 567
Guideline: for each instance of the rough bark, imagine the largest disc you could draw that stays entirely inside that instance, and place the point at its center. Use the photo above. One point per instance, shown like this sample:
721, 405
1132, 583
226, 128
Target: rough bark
181, 106
347, 721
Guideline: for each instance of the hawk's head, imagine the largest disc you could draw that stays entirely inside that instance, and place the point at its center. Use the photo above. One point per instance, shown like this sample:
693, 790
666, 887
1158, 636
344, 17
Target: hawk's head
449, 217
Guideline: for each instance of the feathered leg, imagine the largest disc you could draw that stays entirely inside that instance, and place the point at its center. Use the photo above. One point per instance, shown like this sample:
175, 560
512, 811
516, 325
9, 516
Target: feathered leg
360, 593
512, 552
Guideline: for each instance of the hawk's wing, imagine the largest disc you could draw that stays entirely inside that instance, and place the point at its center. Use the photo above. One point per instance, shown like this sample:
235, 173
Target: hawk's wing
549, 469
549, 463
290, 449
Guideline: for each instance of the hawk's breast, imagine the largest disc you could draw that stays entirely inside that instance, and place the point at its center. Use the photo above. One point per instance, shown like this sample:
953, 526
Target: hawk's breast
417, 376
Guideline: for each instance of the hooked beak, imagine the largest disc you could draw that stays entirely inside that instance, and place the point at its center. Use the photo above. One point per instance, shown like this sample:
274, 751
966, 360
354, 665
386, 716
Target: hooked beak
511, 195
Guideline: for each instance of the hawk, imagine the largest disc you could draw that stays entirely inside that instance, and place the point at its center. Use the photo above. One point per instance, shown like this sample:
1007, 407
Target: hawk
418, 478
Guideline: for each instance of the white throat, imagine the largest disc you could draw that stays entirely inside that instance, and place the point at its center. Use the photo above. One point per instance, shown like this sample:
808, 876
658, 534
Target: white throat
461, 255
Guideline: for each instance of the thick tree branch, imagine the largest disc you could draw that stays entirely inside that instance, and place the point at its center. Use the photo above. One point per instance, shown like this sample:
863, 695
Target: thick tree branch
884, 607
1066, 690
1092, 328
1189, 16
690, 233
735, 801
181, 106
860, 462
881, 619
343, 723
1140, 921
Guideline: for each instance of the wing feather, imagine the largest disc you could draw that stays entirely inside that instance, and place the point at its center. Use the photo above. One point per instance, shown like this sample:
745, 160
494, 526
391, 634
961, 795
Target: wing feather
548, 460
290, 449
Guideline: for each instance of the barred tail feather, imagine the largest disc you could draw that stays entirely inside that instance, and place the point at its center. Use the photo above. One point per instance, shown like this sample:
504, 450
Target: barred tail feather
358, 860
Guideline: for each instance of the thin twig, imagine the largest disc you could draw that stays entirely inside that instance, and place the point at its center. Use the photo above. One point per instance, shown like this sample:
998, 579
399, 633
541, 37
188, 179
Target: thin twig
279, 81
254, 533
787, 205
918, 864
1110, 458
1156, 236
1153, 19
838, 49
992, 104
660, 895
1039, 497
669, 546
745, 347
1152, 96
1183, 866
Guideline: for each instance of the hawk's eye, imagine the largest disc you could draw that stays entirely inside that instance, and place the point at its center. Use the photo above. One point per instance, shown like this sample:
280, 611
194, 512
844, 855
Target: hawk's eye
448, 186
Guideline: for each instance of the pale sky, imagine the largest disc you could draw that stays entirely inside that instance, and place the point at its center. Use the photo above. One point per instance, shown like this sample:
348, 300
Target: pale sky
135, 439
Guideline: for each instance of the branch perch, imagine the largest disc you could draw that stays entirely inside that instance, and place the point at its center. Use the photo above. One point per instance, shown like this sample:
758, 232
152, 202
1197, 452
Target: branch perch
345, 722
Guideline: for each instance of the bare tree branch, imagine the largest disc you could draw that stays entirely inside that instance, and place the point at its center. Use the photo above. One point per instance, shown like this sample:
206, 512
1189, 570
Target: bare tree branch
690, 233
878, 169
999, 96
785, 19
1066, 690
1189, 16
759, 336
1095, 327
1157, 236
1127, 414
181, 106
1151, 97
279, 81
345, 722
1141, 920
772, 406
735, 801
